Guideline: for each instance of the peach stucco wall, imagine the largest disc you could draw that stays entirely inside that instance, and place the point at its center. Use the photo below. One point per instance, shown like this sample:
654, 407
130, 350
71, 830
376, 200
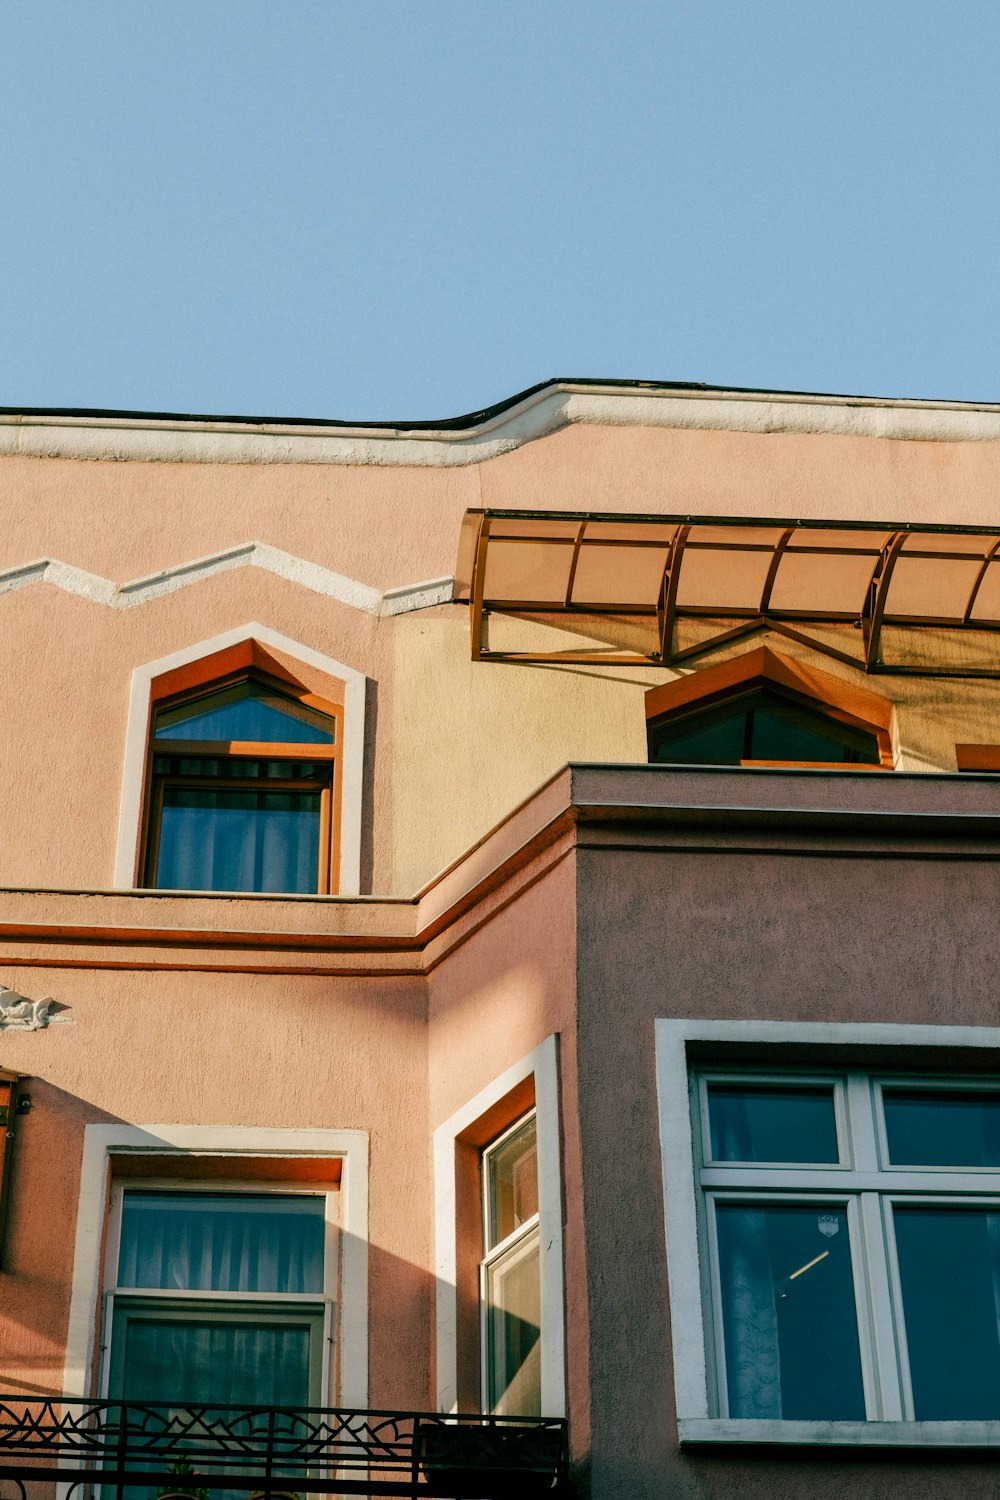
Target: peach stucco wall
211, 1048
452, 745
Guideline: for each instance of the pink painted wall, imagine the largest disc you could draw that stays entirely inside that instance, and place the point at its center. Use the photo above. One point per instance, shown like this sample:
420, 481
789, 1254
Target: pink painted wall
199, 1048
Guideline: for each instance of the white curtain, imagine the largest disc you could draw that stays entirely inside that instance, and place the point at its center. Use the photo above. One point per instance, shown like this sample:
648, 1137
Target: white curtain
753, 1360
204, 1242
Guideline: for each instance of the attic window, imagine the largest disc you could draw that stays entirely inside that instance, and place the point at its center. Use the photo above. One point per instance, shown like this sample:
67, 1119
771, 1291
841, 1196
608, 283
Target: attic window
243, 790
765, 709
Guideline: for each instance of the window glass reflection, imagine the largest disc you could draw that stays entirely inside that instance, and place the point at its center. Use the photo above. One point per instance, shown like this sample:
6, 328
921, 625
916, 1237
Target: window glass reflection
790, 1324
754, 1123
949, 1270
941, 1128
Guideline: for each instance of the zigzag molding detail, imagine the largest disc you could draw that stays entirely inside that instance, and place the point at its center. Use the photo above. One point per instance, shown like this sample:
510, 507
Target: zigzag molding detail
319, 580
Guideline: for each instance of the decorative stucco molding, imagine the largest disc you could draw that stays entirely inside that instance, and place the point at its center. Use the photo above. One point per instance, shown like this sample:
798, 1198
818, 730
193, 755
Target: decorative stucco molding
484, 435
298, 570
17, 1013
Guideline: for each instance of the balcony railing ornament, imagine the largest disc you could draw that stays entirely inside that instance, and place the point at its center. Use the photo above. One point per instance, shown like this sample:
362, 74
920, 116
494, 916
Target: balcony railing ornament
137, 1449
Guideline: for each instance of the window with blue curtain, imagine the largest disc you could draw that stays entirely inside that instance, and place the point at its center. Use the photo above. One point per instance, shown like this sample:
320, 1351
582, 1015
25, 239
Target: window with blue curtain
242, 791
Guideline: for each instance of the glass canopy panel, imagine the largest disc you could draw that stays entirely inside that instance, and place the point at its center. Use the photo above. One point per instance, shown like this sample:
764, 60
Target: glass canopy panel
939, 1128
823, 583
949, 1272
789, 1317
535, 572
986, 608
532, 528
761, 1124
936, 587
713, 579
619, 574
222, 1242
247, 712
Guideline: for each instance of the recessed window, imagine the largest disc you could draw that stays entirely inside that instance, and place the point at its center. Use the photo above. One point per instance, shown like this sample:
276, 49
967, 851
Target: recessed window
510, 1276
243, 788
851, 1246
218, 1298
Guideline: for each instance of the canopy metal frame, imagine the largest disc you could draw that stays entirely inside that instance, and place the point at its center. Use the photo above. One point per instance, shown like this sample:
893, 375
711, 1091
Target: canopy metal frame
877, 552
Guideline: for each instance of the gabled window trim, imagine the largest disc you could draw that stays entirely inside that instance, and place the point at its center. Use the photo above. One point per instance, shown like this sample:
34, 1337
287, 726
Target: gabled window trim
690, 1332
797, 681
128, 867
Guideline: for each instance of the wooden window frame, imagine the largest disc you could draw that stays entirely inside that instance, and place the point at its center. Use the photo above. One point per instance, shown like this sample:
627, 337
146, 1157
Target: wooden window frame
328, 874
798, 683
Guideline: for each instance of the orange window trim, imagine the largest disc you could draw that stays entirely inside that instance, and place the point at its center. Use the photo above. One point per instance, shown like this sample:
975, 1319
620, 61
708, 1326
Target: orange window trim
224, 669
802, 683
978, 757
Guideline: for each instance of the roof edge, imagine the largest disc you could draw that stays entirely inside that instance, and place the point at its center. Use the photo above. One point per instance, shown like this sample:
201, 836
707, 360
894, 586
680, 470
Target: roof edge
475, 436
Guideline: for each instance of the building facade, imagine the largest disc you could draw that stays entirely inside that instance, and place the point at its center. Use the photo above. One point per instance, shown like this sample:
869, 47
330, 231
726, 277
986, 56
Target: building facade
498, 917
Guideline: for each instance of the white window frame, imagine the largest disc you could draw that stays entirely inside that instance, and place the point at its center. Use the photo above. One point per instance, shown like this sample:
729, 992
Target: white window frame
862, 1179
349, 1148
543, 1064
517, 1242
324, 1301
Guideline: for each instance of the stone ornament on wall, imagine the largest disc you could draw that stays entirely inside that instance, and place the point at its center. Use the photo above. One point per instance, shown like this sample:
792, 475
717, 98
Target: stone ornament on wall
17, 1013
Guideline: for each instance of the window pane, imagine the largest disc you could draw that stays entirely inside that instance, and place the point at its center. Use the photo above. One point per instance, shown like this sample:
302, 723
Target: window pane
236, 840
790, 1325
936, 1128
246, 711
513, 1294
513, 1183
949, 1269
713, 738
785, 731
261, 1360
750, 1123
760, 725
225, 1242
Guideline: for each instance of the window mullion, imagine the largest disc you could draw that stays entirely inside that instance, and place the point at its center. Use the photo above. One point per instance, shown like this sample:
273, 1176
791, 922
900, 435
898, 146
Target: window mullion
888, 1390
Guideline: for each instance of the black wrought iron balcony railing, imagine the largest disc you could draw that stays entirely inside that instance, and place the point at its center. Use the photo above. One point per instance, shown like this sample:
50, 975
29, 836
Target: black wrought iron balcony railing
137, 1450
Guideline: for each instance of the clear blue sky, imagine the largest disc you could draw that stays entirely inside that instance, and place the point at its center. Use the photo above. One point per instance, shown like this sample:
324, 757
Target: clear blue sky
413, 209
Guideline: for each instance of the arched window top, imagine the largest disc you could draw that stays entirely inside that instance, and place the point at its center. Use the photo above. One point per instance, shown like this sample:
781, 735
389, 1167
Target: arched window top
250, 711
766, 709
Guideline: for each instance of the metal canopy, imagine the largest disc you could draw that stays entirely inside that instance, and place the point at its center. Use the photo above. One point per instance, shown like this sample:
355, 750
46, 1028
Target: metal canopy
780, 575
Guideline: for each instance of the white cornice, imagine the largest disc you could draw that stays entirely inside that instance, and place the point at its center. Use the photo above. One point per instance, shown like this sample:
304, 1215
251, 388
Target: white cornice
557, 405
309, 575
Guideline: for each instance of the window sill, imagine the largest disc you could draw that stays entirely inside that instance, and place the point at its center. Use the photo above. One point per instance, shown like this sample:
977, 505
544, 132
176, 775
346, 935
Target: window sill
696, 1431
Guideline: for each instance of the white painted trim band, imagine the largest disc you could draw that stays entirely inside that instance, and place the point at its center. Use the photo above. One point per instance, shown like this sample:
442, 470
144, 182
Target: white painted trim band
298, 570
557, 405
